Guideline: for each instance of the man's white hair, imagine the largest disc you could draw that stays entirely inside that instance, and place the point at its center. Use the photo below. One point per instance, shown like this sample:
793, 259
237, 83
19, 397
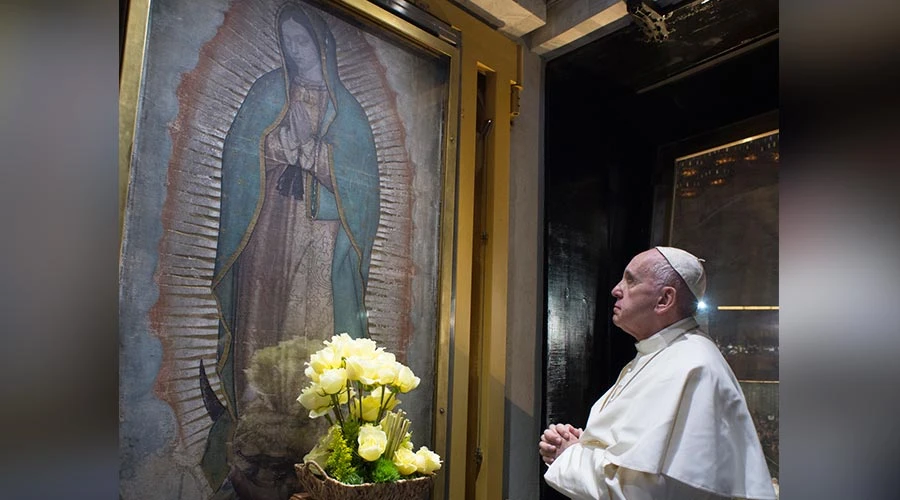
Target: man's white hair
665, 275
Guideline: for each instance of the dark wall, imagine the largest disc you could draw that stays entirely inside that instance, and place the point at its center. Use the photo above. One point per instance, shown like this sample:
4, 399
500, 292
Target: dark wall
597, 214
606, 134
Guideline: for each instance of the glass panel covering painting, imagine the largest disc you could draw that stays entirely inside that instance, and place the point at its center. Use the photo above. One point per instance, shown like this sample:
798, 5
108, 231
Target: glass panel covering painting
725, 211
286, 185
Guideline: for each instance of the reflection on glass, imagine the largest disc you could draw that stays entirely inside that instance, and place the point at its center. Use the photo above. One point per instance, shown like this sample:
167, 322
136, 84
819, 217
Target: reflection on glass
725, 210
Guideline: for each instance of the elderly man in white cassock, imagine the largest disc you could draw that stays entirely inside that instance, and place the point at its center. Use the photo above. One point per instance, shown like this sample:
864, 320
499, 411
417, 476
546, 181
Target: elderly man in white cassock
675, 424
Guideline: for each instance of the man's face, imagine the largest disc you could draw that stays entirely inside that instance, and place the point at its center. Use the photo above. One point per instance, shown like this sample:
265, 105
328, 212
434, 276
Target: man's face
637, 295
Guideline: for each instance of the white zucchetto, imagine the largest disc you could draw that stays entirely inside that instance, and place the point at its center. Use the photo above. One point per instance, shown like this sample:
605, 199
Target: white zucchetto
689, 267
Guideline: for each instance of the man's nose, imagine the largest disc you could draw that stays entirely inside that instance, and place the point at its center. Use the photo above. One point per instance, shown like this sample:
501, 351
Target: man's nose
616, 291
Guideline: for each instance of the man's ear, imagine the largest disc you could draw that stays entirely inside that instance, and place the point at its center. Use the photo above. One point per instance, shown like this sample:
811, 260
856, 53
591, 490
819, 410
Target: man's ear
666, 299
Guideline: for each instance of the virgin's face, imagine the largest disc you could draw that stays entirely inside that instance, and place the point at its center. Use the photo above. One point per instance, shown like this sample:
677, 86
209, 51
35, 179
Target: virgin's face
298, 45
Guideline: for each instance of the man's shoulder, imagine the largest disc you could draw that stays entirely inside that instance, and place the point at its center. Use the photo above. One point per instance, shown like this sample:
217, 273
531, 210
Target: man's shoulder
695, 353
695, 342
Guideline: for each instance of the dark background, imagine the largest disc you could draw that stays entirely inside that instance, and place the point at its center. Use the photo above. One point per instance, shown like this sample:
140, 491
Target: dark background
838, 212
618, 111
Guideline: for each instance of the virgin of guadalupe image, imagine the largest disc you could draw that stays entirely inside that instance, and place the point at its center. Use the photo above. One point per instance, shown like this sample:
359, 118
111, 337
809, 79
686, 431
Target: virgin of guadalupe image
299, 213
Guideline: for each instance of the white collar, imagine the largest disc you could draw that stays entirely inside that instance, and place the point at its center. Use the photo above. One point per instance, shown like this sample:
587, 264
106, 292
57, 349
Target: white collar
666, 336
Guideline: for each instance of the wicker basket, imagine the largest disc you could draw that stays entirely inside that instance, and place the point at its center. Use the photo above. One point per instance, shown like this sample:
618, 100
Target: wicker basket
322, 487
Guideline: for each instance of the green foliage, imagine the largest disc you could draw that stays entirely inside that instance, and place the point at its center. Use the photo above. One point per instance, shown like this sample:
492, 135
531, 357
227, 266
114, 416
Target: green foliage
354, 478
345, 465
351, 432
340, 464
384, 471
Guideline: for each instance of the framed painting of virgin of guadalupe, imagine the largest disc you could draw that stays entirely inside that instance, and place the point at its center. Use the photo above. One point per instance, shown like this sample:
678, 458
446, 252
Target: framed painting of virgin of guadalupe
291, 178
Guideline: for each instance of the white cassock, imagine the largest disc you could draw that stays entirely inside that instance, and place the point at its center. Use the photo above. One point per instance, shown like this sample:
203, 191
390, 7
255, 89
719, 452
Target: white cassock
675, 426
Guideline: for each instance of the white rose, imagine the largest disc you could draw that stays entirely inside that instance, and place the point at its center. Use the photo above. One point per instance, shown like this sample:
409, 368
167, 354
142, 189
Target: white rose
427, 461
406, 380
339, 344
405, 460
362, 369
372, 442
333, 381
388, 370
362, 347
311, 373
323, 360
370, 406
313, 399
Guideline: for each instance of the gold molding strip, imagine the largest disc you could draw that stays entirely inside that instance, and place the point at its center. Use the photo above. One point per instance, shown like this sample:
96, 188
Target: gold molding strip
391, 21
723, 146
747, 308
129, 87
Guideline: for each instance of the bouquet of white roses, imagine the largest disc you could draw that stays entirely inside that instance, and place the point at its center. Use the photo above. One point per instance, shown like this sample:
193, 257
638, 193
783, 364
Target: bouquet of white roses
354, 385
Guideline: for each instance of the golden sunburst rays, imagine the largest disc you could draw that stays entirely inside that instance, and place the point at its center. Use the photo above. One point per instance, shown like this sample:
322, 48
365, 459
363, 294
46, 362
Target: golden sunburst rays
388, 293
185, 318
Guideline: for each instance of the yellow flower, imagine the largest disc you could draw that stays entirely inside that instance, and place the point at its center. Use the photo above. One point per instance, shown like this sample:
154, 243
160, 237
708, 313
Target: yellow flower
379, 379
405, 460
325, 359
388, 369
345, 346
370, 407
314, 399
372, 403
427, 461
364, 348
339, 343
372, 441
333, 381
362, 369
311, 373
406, 381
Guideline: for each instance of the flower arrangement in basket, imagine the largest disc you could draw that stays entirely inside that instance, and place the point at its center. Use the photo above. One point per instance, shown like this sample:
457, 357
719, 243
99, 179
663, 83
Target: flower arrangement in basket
368, 446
